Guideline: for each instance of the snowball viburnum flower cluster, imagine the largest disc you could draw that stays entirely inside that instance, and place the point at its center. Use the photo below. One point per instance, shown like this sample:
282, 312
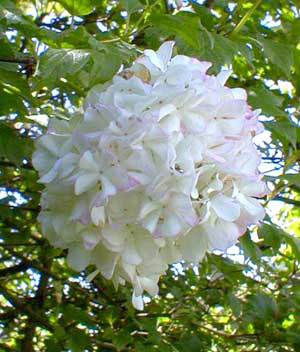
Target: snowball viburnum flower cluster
159, 167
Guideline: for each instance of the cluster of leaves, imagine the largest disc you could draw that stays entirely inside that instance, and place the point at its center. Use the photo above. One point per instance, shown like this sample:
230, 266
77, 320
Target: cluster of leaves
51, 53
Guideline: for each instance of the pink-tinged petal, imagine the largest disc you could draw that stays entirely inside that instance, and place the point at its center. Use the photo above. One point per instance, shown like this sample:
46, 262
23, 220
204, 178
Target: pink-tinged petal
232, 127
130, 184
85, 218
85, 182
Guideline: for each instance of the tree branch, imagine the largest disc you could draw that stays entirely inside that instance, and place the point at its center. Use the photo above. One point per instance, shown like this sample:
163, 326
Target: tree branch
25, 309
18, 60
224, 334
13, 269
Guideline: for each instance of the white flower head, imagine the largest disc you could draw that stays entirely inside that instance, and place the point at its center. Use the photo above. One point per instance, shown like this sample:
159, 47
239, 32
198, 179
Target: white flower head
159, 167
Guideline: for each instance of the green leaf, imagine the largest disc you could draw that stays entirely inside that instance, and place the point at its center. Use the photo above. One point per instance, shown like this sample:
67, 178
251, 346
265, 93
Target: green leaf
10, 102
78, 7
279, 54
263, 306
263, 98
13, 146
104, 67
291, 178
121, 339
74, 313
222, 52
16, 80
273, 234
78, 340
270, 235
131, 6
185, 25
284, 130
57, 63
250, 248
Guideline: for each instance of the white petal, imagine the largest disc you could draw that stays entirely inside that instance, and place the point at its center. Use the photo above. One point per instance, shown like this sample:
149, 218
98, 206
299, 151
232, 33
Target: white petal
105, 260
115, 235
164, 52
90, 239
223, 76
85, 182
78, 257
194, 245
151, 220
88, 162
149, 285
130, 254
49, 177
225, 207
98, 215
49, 143
108, 188
137, 302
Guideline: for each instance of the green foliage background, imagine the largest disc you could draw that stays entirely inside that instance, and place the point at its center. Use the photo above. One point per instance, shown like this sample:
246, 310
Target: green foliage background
51, 54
